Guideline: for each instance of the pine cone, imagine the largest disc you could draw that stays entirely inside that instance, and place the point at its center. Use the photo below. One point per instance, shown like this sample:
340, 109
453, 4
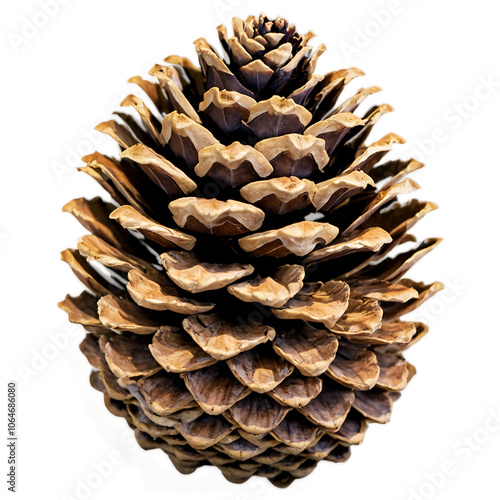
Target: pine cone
243, 310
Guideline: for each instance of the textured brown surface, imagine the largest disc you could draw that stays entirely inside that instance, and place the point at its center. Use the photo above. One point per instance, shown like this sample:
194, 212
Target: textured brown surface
245, 284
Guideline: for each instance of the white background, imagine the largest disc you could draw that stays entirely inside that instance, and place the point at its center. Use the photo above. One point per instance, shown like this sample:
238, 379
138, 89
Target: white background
430, 58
